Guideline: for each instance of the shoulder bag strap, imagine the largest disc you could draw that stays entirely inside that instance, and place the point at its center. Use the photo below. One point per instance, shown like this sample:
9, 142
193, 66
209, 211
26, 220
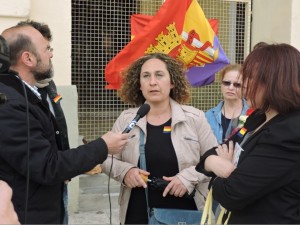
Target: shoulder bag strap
143, 165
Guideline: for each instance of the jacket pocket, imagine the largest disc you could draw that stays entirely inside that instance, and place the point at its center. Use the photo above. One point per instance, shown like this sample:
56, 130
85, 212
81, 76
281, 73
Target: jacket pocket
194, 139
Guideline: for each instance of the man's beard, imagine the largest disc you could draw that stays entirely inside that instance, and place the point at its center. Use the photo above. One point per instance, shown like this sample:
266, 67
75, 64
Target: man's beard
43, 75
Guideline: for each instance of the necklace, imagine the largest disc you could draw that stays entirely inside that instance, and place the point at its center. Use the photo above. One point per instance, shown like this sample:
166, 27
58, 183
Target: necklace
234, 112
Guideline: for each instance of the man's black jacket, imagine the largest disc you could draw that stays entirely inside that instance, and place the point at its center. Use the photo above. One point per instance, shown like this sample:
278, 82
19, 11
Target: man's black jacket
49, 166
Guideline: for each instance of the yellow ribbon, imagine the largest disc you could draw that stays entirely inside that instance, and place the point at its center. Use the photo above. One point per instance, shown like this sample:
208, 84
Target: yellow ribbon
207, 212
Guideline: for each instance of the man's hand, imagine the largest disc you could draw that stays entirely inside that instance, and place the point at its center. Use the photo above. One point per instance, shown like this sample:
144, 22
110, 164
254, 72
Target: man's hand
115, 141
7, 211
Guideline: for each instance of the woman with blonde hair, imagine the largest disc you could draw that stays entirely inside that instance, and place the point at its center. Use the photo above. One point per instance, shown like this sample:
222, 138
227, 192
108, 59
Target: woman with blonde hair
225, 117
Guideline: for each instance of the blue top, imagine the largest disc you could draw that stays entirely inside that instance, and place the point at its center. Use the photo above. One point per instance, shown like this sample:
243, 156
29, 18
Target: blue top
214, 116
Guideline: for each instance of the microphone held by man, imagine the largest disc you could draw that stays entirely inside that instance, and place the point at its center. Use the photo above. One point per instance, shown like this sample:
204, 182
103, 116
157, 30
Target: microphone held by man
143, 110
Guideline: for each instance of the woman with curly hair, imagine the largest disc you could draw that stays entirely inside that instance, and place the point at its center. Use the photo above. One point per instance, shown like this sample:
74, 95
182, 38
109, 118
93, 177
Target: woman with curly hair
175, 137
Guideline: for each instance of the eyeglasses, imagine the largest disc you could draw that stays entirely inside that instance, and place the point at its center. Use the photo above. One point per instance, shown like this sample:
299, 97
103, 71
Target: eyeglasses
228, 83
49, 49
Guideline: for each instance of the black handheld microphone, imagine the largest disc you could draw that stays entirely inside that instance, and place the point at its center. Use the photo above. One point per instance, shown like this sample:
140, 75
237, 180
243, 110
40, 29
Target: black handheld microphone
143, 110
3, 98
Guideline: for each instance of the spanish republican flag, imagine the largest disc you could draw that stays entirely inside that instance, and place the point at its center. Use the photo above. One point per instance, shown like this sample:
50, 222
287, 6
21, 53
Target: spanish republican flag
181, 30
139, 21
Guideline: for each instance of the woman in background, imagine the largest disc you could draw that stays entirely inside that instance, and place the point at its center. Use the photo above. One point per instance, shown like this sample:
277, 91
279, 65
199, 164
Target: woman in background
224, 118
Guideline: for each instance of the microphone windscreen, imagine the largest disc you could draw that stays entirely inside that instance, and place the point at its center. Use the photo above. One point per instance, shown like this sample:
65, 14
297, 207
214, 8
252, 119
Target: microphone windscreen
143, 110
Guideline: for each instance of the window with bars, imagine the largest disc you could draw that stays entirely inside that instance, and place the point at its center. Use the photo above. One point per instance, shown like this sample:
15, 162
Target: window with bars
100, 29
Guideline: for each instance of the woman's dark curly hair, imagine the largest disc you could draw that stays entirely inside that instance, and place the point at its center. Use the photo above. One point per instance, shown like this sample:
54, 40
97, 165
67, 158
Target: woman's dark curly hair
130, 90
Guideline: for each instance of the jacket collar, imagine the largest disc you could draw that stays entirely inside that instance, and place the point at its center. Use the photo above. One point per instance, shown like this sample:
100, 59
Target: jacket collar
218, 110
176, 111
16, 83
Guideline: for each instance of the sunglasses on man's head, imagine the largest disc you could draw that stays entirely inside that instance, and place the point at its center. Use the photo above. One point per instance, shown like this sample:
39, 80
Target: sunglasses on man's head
228, 83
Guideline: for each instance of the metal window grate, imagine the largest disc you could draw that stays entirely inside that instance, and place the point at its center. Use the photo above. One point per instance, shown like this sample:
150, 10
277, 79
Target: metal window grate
100, 29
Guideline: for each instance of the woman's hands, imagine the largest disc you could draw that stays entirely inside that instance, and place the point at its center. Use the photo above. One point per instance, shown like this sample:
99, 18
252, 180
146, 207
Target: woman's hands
221, 165
175, 187
134, 179
226, 152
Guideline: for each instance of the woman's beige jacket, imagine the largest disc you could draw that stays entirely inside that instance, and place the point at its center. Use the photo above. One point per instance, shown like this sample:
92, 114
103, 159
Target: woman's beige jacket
191, 136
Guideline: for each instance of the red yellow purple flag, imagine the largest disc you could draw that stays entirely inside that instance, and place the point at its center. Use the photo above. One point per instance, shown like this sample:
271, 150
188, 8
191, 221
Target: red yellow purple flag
184, 34
139, 21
